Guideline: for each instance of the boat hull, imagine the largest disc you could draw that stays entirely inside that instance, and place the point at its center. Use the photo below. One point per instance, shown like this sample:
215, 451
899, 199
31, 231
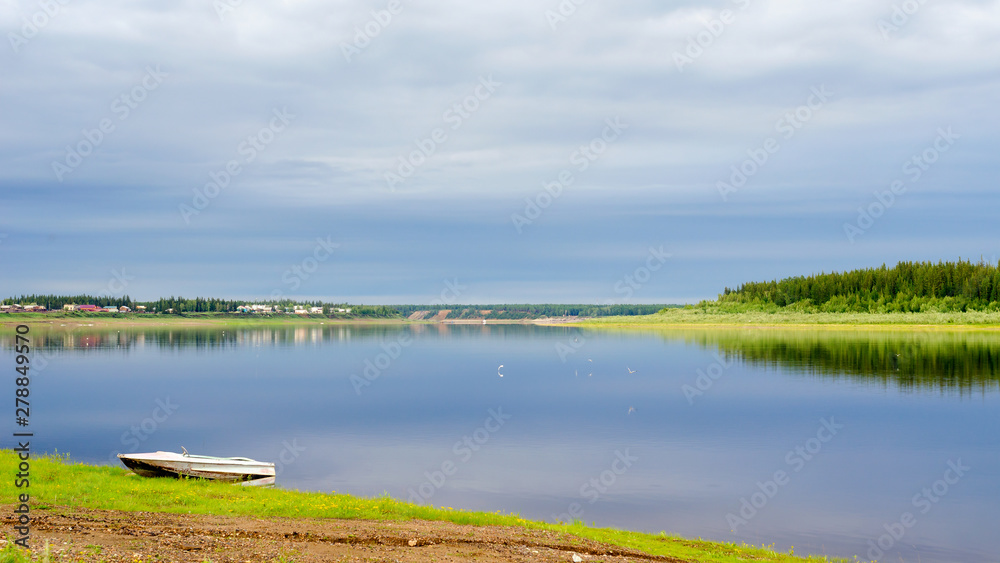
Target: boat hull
169, 464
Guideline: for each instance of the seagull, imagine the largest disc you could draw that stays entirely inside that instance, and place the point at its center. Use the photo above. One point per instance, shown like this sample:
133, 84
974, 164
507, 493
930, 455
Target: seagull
498, 370
589, 360
631, 410
629, 369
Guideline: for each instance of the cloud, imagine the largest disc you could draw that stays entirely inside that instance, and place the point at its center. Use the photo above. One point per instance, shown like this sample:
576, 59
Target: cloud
357, 118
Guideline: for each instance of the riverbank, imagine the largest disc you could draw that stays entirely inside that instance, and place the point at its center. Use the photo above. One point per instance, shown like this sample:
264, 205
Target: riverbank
709, 318
225, 320
669, 319
100, 513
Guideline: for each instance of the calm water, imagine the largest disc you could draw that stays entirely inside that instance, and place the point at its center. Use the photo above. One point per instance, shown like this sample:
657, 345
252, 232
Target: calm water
821, 441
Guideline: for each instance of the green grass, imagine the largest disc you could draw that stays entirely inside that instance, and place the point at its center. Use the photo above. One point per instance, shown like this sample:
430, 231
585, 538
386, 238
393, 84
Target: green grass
57, 482
13, 554
715, 316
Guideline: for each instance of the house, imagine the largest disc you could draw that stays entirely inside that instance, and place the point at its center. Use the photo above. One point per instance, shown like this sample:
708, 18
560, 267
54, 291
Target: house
90, 308
6, 308
123, 309
110, 309
300, 310
140, 308
315, 309
343, 310
35, 308
69, 307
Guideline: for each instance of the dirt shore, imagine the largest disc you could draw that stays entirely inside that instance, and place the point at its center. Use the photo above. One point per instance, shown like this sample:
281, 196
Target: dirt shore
75, 534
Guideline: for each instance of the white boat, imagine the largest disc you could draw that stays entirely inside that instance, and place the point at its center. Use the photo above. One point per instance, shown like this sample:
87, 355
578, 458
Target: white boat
172, 464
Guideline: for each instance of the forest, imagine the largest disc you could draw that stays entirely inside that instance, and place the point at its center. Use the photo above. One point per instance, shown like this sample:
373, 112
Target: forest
906, 287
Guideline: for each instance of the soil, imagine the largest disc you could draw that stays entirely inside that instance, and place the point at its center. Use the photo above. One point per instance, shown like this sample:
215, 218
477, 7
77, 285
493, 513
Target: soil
76, 534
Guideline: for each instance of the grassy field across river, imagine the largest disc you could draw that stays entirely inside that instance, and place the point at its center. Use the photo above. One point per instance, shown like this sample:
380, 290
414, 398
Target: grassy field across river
698, 316
673, 317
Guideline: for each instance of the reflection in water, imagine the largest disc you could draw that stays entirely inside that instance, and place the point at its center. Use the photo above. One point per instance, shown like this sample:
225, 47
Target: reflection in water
958, 360
962, 361
87, 338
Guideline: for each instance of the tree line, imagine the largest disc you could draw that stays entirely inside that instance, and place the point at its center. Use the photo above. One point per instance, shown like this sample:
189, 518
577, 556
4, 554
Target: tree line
182, 305
905, 287
57, 301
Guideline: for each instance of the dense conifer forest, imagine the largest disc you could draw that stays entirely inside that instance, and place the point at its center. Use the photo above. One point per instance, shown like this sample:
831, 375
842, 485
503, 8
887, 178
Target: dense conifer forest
905, 287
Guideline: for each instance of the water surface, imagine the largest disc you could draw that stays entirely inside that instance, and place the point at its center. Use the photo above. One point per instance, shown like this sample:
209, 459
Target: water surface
818, 440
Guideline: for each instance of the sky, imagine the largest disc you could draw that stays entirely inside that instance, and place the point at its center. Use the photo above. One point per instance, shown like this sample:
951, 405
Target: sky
559, 151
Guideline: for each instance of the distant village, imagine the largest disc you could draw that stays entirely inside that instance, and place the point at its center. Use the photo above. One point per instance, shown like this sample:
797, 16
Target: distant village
436, 312
247, 309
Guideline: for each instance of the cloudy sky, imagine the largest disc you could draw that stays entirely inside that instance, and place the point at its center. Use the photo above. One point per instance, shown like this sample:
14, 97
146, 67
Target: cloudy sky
523, 151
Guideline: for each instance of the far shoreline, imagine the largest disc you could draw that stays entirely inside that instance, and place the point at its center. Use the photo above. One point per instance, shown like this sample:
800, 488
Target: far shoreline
673, 319
202, 320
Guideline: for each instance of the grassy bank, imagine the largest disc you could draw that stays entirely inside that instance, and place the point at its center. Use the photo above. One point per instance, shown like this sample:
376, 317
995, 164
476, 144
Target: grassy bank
56, 482
674, 317
709, 316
